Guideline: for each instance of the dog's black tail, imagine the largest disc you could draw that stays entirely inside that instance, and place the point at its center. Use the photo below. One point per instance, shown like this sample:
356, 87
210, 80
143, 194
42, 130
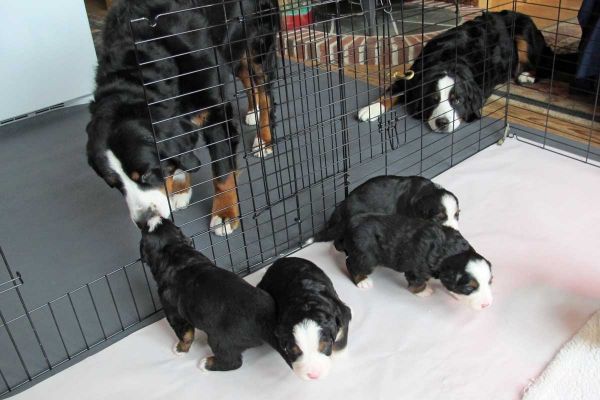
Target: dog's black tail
334, 228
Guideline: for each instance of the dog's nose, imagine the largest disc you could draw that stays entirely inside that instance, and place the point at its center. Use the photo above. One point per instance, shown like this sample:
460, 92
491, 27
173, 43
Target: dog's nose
313, 375
484, 305
442, 122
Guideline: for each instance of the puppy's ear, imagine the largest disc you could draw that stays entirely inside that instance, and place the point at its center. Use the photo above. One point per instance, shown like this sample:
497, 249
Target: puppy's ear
279, 333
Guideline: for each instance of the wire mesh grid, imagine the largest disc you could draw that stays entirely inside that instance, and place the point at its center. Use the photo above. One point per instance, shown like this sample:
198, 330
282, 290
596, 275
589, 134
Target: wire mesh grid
559, 113
278, 144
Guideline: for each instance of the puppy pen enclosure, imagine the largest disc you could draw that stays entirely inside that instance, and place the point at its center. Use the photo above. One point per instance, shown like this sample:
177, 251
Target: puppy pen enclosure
326, 71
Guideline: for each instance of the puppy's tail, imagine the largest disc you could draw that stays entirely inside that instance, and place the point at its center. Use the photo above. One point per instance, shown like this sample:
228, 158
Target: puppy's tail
334, 228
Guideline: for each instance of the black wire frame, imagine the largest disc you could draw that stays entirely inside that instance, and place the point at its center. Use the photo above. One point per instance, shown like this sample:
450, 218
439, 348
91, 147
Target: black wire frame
320, 153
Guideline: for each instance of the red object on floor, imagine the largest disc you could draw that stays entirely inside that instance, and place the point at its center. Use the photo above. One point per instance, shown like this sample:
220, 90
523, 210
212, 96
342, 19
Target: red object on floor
291, 22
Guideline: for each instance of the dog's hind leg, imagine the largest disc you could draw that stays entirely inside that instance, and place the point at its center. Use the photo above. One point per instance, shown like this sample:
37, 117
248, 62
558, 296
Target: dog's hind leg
262, 143
226, 357
253, 100
225, 207
359, 272
418, 285
183, 329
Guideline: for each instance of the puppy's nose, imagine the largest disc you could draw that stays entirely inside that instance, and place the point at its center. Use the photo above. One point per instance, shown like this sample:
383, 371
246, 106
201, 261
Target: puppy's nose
442, 122
313, 375
484, 305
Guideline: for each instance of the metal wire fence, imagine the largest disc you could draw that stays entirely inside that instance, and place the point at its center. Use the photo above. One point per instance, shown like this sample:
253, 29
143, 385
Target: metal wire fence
279, 141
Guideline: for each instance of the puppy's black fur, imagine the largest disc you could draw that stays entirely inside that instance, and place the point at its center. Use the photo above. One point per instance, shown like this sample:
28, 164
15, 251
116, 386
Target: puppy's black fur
419, 248
413, 196
302, 291
197, 294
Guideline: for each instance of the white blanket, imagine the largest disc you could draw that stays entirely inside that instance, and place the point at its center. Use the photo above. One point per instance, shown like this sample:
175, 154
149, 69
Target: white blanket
532, 213
574, 373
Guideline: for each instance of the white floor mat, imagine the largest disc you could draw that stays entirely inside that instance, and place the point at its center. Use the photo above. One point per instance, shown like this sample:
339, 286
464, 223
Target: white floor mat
532, 213
575, 371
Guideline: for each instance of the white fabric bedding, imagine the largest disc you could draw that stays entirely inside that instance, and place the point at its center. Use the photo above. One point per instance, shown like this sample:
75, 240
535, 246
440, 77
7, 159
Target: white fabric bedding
533, 214
574, 373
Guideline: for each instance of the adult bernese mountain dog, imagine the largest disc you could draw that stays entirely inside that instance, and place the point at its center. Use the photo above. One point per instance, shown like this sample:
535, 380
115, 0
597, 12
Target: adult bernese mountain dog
458, 70
420, 249
413, 196
160, 86
195, 293
312, 321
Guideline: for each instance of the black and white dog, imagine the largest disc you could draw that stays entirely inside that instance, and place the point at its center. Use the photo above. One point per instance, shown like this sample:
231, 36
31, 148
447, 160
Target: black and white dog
196, 294
413, 196
184, 52
422, 250
312, 321
458, 70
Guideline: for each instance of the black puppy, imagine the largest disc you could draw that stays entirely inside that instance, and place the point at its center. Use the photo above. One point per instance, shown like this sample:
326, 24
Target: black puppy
422, 250
413, 196
197, 294
312, 321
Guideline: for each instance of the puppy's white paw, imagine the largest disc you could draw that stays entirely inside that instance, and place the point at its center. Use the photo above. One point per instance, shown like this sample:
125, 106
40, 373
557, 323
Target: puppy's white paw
371, 112
202, 365
260, 150
221, 228
525, 77
177, 353
425, 292
366, 283
252, 116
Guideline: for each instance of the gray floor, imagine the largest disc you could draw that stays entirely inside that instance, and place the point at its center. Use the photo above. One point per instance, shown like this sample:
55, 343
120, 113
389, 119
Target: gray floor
62, 227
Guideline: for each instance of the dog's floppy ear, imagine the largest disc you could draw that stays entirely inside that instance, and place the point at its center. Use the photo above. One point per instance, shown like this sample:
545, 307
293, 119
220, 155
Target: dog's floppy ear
472, 95
474, 103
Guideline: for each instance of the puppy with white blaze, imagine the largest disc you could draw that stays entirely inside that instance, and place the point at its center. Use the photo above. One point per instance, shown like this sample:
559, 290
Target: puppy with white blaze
420, 249
413, 196
312, 321
196, 294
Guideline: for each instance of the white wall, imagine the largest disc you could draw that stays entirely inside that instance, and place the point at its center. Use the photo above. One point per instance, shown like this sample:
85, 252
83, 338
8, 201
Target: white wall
46, 54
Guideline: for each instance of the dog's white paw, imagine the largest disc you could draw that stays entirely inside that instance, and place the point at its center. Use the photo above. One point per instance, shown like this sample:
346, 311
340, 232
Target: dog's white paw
181, 200
259, 150
525, 77
425, 292
371, 112
366, 283
221, 228
252, 116
177, 353
202, 365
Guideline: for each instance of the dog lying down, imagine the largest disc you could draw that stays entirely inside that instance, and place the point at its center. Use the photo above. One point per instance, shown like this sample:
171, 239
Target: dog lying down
413, 196
196, 294
312, 321
422, 250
